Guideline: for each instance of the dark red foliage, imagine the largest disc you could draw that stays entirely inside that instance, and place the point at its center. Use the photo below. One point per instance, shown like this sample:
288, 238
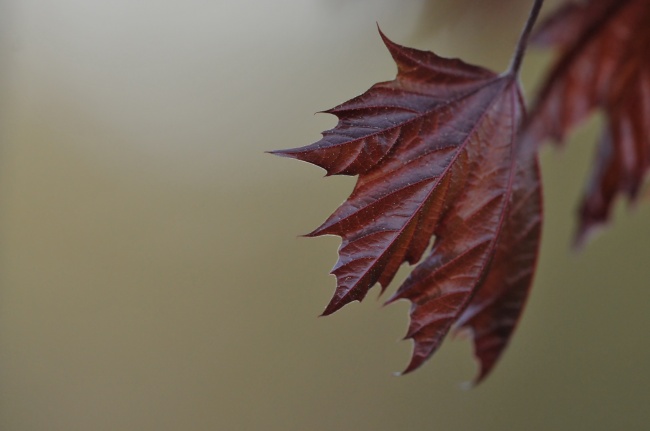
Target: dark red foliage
437, 155
604, 63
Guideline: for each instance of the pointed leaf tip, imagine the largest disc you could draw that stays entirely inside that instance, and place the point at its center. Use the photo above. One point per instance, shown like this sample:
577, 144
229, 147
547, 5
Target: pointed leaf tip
289, 153
335, 305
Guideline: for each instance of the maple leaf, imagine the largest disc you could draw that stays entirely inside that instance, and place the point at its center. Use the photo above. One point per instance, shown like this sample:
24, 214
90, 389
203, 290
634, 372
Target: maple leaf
437, 156
603, 64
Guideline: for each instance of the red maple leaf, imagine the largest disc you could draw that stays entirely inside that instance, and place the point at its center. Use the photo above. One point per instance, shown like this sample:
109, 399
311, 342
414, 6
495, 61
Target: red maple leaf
604, 63
437, 155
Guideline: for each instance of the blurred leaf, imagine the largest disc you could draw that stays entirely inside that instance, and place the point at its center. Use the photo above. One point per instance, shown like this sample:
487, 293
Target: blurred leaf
603, 64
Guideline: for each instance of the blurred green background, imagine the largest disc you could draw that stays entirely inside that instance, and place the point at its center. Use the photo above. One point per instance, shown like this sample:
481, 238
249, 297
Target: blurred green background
151, 277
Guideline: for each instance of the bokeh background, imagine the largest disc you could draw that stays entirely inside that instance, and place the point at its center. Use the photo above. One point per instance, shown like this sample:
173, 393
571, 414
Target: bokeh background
151, 277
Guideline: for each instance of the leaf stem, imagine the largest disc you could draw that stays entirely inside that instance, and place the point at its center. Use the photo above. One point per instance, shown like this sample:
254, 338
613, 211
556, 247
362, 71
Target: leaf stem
522, 43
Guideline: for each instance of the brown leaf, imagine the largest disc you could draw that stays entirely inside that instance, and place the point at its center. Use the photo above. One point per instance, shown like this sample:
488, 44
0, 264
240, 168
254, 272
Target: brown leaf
437, 156
603, 64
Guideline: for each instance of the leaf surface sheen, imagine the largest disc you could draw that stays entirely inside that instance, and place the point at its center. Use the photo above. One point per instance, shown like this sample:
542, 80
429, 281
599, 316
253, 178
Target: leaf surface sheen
437, 156
603, 63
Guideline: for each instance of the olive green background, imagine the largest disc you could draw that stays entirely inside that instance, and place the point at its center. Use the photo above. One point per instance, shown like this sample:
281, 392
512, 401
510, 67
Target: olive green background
151, 277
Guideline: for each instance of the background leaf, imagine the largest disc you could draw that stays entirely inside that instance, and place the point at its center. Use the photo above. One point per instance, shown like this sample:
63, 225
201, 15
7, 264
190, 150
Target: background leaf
603, 64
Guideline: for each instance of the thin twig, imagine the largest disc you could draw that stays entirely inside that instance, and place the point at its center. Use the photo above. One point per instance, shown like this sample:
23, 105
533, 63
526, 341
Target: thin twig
517, 58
